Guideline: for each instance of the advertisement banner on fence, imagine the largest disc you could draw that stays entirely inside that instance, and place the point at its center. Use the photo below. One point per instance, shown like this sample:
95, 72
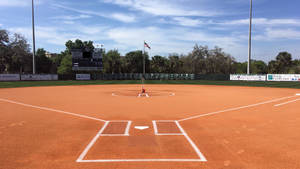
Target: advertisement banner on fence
38, 77
9, 77
284, 77
83, 77
248, 77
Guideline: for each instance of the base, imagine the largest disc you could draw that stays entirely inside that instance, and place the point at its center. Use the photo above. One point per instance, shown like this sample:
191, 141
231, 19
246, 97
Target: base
143, 95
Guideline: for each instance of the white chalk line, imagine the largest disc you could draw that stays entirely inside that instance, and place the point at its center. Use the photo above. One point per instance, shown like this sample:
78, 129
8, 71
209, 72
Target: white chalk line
164, 134
164, 120
89, 146
50, 109
201, 156
113, 135
155, 127
281, 104
139, 160
169, 134
127, 128
140, 95
196, 149
126, 131
237, 108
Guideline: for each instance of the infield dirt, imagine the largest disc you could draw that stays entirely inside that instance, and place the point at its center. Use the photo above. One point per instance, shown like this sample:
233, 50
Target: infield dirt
39, 129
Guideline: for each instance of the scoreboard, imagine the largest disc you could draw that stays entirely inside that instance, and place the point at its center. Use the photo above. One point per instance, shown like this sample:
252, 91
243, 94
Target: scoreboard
87, 60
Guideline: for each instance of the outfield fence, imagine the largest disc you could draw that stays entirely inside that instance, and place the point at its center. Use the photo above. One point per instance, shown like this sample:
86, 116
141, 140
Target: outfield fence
138, 76
121, 76
149, 76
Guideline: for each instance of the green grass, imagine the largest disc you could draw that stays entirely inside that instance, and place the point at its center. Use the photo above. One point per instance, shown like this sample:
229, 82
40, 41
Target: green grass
295, 85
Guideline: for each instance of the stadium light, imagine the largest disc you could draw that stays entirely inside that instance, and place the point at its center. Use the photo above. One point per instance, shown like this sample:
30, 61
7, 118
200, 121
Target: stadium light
33, 40
249, 43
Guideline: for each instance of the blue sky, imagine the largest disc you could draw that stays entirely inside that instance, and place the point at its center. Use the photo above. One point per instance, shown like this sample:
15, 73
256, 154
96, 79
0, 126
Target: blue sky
168, 26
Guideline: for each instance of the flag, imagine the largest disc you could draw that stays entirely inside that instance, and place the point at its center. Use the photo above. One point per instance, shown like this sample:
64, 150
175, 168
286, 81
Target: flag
146, 45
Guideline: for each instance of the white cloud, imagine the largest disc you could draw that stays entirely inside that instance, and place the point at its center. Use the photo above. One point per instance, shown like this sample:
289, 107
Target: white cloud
172, 40
117, 16
282, 34
162, 41
60, 35
18, 3
91, 30
123, 17
162, 7
14, 3
70, 17
184, 21
265, 22
69, 22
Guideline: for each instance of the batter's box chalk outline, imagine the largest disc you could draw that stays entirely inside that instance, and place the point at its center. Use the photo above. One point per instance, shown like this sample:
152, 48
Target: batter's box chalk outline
126, 132
200, 158
156, 132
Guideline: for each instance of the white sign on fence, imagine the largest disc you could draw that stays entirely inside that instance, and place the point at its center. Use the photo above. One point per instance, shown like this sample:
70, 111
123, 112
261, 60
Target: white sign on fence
9, 77
284, 77
83, 77
248, 77
38, 77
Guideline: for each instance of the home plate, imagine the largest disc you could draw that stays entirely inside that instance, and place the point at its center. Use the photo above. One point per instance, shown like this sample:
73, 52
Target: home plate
298, 94
141, 127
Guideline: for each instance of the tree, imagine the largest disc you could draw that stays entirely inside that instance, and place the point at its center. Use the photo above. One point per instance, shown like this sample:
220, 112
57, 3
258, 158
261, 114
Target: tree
43, 64
19, 53
112, 62
295, 69
133, 62
66, 65
239, 68
282, 64
79, 44
284, 60
15, 54
56, 61
273, 67
175, 64
4, 50
198, 57
159, 64
218, 62
259, 67
4, 38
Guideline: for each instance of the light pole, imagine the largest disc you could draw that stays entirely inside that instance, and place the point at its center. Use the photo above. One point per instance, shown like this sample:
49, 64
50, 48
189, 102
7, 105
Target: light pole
33, 40
249, 43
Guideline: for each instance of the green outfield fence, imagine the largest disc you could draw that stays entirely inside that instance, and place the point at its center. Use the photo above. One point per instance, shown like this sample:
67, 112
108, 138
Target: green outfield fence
148, 76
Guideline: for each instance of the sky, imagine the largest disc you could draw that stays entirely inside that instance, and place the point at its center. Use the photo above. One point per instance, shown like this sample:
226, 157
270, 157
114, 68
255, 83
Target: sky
168, 26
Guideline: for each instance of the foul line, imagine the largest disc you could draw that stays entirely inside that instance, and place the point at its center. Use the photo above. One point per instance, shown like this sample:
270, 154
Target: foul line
50, 109
237, 108
286, 102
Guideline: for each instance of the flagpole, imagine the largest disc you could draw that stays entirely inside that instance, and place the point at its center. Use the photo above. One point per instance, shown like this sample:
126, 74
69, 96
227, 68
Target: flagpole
144, 62
33, 39
144, 70
249, 43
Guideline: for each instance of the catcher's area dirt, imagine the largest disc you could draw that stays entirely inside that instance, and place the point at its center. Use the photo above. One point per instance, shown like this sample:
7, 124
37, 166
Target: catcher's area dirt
261, 136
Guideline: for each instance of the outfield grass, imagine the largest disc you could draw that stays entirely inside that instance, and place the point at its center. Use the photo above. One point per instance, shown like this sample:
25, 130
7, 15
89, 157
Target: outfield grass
194, 82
